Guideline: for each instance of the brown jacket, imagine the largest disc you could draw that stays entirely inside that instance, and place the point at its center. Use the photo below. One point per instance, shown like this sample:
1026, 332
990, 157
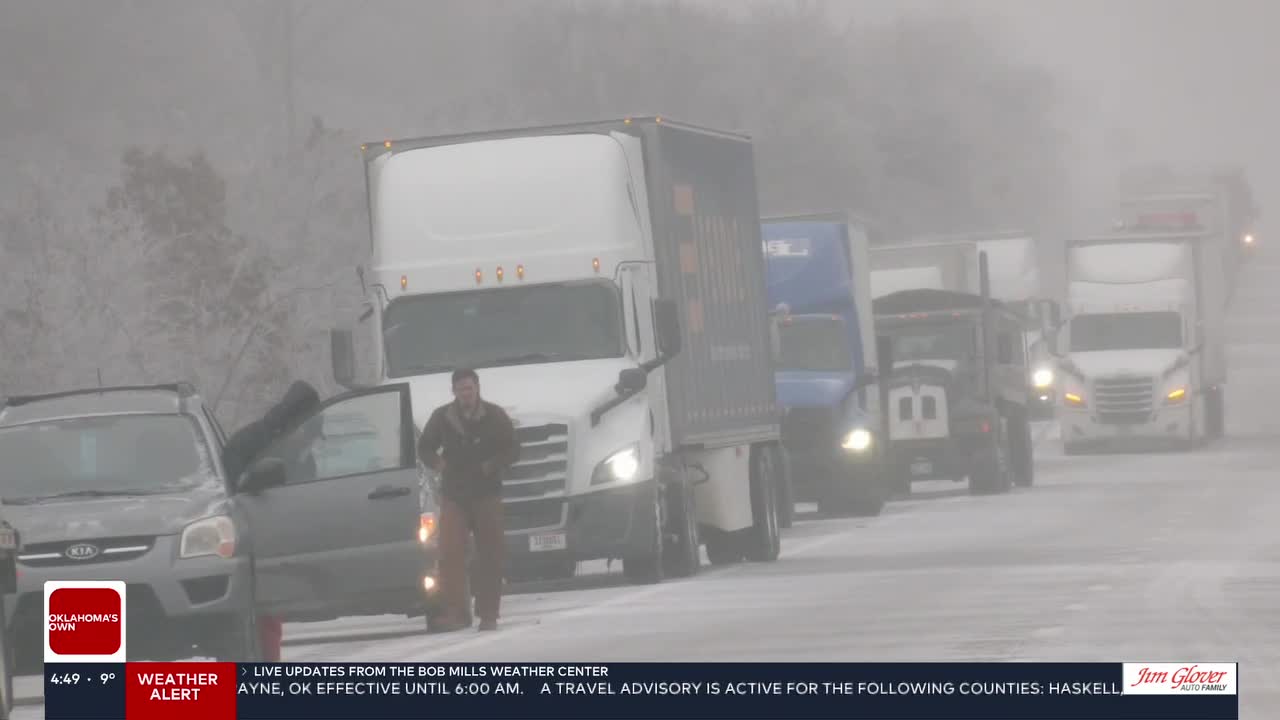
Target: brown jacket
476, 452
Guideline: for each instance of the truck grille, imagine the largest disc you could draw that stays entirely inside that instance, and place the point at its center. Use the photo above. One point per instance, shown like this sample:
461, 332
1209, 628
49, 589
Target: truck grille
108, 550
532, 514
543, 468
805, 429
1124, 400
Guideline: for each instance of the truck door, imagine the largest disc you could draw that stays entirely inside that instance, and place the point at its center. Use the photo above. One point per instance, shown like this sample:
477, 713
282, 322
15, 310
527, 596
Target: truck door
344, 524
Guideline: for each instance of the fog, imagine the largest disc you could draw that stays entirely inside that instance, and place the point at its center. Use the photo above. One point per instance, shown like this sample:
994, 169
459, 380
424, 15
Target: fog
931, 116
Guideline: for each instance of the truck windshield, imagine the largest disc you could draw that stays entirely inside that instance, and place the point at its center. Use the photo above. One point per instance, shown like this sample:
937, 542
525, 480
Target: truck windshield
103, 455
1126, 331
506, 326
818, 345
957, 341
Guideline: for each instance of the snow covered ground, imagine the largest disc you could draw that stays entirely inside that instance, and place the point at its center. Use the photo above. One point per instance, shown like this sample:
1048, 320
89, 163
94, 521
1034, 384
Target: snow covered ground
1157, 557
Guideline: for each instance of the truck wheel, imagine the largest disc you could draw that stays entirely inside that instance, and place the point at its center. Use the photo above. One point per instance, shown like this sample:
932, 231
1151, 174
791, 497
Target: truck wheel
990, 473
1022, 450
786, 492
6, 667
646, 569
1215, 415
683, 553
764, 538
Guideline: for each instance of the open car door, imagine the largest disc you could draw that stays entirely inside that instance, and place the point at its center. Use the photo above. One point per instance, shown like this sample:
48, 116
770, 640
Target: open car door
337, 533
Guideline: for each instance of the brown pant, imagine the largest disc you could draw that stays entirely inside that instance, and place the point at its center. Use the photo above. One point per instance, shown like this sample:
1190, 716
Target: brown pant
458, 520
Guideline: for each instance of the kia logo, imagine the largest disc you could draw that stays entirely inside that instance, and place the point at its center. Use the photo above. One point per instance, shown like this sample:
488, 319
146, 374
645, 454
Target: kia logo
82, 551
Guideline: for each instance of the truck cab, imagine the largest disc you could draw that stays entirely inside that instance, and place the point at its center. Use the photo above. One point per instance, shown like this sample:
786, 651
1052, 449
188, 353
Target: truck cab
1141, 357
818, 279
606, 282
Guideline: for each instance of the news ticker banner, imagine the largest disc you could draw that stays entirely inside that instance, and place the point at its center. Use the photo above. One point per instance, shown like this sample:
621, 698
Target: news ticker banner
955, 691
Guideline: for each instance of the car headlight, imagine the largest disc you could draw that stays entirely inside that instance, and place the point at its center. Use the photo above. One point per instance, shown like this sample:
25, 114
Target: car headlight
1042, 378
210, 536
622, 466
857, 440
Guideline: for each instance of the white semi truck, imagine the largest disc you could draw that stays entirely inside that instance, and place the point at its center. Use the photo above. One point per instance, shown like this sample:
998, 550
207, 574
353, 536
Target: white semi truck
1142, 357
606, 280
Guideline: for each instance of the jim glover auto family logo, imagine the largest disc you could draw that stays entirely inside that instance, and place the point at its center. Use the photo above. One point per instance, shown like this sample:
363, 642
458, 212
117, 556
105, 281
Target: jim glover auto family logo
84, 621
1180, 678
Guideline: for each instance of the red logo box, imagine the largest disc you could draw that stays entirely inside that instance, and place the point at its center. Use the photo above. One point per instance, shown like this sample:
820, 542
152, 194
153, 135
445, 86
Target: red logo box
84, 621
163, 691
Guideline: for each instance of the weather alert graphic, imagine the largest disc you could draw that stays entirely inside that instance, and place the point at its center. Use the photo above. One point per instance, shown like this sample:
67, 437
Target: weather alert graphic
84, 621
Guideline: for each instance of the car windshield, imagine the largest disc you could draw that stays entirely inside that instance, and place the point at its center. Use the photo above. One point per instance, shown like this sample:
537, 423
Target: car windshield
507, 326
815, 345
101, 455
1126, 331
955, 341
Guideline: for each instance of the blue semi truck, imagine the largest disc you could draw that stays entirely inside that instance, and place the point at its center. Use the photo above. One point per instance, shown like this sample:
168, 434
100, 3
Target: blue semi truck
818, 276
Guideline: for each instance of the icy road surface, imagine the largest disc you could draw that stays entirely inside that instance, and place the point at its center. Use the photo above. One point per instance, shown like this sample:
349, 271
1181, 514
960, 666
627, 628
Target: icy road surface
1165, 557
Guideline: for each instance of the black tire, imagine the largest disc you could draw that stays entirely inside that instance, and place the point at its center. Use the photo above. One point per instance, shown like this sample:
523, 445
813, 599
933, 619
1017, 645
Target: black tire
6, 666
239, 642
646, 568
1215, 415
991, 473
786, 492
683, 552
1022, 450
764, 537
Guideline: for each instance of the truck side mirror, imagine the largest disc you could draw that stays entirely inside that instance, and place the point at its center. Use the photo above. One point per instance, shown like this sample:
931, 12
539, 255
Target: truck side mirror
631, 380
342, 351
666, 321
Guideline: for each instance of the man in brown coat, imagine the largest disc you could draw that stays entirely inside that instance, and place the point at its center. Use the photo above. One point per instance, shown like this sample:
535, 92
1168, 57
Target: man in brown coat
470, 443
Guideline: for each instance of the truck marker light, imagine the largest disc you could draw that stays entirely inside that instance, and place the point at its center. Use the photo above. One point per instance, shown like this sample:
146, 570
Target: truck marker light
498, 273
478, 276
1176, 395
363, 147
595, 264
387, 144
404, 281
426, 526
658, 119
520, 271
1073, 398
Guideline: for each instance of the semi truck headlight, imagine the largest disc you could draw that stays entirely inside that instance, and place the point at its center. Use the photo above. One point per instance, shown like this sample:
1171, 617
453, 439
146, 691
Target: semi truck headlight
857, 440
1042, 378
210, 536
1176, 395
1073, 399
622, 466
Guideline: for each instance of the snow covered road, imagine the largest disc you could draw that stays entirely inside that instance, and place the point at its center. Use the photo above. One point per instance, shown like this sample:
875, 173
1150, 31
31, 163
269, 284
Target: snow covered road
1162, 557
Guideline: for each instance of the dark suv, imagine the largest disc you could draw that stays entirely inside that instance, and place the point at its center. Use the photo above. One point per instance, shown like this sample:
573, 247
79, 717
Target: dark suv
128, 483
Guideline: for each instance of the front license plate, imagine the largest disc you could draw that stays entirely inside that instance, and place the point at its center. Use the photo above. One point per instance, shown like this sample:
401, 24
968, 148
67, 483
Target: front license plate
921, 467
547, 541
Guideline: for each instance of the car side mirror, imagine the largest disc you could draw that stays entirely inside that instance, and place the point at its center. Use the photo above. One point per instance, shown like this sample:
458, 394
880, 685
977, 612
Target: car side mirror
264, 473
631, 380
342, 350
666, 320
